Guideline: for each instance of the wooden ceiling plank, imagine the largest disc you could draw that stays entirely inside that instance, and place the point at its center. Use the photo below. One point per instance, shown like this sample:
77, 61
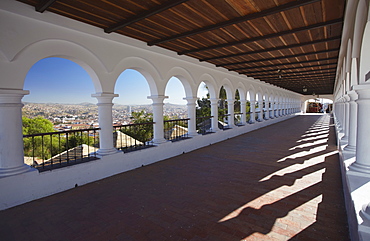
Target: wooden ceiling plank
284, 64
145, 14
42, 6
263, 13
274, 49
310, 27
276, 58
293, 72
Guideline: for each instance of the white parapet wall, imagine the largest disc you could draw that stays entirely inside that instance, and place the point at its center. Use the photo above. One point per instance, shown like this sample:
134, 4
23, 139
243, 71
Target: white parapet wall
25, 187
356, 187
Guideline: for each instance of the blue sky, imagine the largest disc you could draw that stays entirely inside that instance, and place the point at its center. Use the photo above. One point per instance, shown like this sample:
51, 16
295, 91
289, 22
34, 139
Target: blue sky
58, 80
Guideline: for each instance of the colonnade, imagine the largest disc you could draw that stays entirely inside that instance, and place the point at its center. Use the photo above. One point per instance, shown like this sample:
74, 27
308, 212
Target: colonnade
352, 113
11, 158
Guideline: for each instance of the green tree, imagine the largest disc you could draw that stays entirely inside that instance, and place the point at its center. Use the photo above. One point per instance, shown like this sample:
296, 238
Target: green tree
39, 146
36, 126
141, 133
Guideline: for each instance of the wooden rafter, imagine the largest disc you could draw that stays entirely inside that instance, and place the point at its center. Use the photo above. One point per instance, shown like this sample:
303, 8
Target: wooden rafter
146, 14
263, 13
43, 5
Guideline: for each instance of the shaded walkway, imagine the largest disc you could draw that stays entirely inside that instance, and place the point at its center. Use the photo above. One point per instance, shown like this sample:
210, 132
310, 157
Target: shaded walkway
277, 183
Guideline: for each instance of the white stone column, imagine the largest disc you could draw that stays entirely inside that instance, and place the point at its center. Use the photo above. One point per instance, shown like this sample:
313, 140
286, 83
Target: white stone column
158, 135
362, 163
267, 113
346, 119
272, 110
281, 106
253, 111
260, 114
243, 110
105, 123
214, 113
11, 136
352, 130
192, 128
230, 112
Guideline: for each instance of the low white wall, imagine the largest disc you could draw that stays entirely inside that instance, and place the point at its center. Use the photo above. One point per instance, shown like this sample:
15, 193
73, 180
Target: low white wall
356, 187
22, 188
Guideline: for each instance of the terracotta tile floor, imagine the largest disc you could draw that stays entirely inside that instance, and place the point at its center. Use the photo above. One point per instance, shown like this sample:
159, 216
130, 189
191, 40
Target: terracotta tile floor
280, 182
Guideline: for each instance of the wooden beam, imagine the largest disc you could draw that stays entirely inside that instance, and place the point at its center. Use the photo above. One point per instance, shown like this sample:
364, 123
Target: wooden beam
301, 67
43, 5
293, 72
273, 49
278, 65
145, 14
281, 57
332, 74
306, 28
248, 17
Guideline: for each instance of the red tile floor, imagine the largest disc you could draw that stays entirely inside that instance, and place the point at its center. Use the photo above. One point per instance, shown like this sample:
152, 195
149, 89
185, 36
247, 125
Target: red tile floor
281, 182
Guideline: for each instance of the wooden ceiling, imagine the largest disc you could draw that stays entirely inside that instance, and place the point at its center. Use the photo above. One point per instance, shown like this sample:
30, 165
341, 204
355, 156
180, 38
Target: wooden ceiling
293, 44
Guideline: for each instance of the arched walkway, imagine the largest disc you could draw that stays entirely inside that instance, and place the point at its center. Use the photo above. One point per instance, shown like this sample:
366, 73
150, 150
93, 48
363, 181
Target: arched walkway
220, 192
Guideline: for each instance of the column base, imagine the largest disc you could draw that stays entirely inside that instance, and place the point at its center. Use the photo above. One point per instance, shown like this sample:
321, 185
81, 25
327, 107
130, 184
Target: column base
159, 141
105, 152
192, 134
359, 168
5, 172
350, 149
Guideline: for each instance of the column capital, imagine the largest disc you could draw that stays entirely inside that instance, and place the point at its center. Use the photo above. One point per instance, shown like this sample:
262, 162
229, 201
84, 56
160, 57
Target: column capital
190, 100
157, 99
230, 100
12, 96
104, 98
352, 95
363, 91
214, 100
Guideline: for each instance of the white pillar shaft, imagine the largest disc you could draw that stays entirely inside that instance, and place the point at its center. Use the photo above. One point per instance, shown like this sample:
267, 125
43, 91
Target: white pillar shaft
105, 123
352, 130
260, 113
346, 119
11, 137
362, 163
267, 106
253, 111
243, 110
230, 111
192, 129
214, 113
158, 118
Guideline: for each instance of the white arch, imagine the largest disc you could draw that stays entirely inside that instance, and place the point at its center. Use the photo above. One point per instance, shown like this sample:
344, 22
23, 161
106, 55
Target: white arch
360, 21
226, 83
242, 91
145, 68
211, 84
36, 51
185, 78
365, 54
